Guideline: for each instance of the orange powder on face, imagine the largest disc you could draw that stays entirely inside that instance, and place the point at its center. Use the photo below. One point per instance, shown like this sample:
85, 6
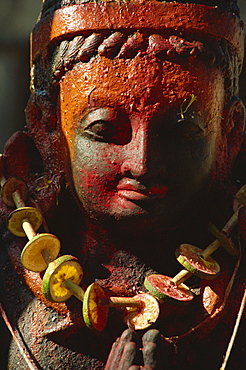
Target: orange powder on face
131, 84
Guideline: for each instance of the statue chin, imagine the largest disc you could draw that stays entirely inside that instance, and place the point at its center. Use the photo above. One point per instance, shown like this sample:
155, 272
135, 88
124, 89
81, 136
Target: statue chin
139, 220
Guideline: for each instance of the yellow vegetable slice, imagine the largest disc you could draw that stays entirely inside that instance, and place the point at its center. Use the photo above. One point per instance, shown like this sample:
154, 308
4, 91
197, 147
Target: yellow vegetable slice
31, 256
191, 259
9, 187
139, 318
163, 288
16, 217
95, 315
63, 268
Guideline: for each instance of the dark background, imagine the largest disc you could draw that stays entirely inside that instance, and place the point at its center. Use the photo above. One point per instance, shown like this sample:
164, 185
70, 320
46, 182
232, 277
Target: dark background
17, 18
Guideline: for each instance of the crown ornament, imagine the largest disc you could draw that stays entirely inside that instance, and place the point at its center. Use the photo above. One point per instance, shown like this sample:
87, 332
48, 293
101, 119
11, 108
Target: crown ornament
183, 18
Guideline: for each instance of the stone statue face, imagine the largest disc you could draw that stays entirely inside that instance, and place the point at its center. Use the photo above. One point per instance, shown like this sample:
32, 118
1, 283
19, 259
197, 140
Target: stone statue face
134, 150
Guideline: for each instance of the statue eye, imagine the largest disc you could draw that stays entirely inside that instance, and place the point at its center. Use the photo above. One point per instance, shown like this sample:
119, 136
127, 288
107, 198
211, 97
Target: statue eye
106, 125
190, 129
187, 128
100, 130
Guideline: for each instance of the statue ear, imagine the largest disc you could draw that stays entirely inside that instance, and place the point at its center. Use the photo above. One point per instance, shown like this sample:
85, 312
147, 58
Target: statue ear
233, 127
41, 115
41, 112
42, 123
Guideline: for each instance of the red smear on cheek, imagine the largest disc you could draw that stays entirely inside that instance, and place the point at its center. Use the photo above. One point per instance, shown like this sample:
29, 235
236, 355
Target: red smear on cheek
95, 183
88, 178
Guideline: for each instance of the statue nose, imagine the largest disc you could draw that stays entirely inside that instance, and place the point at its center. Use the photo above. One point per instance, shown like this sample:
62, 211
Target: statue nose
137, 156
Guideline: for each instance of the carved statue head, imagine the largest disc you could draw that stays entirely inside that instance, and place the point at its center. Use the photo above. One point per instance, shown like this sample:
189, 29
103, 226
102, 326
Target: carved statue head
138, 101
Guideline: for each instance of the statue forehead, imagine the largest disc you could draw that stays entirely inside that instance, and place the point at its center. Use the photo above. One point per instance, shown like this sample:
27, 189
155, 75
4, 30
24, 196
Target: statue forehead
152, 75
139, 87
141, 84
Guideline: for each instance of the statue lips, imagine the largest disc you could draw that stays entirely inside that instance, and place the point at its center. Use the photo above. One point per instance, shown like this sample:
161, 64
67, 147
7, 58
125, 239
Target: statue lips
133, 190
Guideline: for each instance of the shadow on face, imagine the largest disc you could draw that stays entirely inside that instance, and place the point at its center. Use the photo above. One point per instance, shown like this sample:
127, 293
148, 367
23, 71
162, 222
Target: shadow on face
141, 136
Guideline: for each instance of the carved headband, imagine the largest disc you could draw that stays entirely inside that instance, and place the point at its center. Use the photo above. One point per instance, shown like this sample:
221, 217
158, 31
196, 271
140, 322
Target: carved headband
75, 20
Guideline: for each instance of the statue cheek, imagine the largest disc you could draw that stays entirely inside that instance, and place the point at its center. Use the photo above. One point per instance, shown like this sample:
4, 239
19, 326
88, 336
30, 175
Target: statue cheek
95, 169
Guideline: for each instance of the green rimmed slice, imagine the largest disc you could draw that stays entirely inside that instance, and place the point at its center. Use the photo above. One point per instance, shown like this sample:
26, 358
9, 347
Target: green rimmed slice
163, 288
190, 257
32, 256
142, 317
9, 187
223, 239
16, 218
95, 314
64, 269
